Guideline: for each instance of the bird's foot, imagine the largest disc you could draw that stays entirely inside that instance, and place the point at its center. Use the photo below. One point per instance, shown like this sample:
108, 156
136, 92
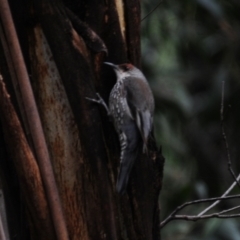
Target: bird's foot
99, 101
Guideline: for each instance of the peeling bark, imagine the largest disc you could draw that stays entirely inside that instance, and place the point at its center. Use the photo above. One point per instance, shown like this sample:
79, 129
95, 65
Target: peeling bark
26, 166
67, 45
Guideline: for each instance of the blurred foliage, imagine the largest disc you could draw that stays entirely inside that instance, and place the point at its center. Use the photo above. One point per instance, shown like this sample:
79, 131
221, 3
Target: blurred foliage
188, 48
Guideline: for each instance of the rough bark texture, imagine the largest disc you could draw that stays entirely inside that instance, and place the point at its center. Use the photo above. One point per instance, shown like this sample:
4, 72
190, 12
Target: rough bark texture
26, 167
64, 48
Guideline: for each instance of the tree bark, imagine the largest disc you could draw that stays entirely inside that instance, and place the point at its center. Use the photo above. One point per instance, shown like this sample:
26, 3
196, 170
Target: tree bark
64, 45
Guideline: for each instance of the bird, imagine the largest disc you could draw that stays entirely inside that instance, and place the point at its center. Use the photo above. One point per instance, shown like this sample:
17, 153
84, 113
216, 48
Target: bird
131, 106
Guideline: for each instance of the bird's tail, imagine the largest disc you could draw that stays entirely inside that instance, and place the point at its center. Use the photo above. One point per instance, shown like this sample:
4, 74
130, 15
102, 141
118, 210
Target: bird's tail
129, 140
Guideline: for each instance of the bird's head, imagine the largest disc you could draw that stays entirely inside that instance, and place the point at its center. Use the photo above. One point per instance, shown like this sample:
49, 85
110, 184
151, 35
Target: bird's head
125, 70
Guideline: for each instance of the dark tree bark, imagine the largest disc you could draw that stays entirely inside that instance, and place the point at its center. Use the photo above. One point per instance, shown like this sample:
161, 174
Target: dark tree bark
64, 45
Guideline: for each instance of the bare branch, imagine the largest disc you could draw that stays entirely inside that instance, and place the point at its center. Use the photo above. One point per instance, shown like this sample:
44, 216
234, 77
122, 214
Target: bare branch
152, 10
229, 210
228, 155
225, 138
196, 218
218, 201
173, 214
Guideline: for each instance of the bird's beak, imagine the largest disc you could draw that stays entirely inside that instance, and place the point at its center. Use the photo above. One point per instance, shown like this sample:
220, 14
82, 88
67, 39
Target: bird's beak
111, 64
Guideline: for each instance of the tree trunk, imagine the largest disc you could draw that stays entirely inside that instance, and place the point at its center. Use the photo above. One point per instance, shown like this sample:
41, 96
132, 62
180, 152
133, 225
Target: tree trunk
64, 45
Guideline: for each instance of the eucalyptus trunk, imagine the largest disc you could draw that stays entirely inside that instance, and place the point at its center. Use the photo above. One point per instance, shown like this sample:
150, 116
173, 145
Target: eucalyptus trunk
64, 44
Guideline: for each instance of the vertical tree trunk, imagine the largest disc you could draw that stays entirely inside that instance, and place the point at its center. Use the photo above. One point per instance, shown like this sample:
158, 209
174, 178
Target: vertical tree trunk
64, 45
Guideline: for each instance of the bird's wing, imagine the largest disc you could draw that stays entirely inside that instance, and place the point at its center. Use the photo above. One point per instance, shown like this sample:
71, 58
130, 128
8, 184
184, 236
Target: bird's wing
138, 105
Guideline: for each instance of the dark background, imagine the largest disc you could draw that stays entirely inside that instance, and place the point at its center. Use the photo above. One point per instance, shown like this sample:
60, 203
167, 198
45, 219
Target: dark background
188, 49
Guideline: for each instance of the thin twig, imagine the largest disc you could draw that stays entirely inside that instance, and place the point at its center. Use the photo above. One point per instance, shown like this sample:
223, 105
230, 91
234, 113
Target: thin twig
173, 214
229, 210
218, 201
200, 216
152, 10
228, 154
196, 218
225, 138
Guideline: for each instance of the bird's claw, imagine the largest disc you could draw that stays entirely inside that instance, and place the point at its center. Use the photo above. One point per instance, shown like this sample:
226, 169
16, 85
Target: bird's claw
99, 101
95, 100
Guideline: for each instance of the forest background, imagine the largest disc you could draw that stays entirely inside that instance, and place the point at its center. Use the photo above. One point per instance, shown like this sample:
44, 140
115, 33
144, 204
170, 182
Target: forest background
189, 48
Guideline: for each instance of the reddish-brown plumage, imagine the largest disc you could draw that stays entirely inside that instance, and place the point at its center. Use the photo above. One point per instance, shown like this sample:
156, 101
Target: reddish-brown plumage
126, 66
